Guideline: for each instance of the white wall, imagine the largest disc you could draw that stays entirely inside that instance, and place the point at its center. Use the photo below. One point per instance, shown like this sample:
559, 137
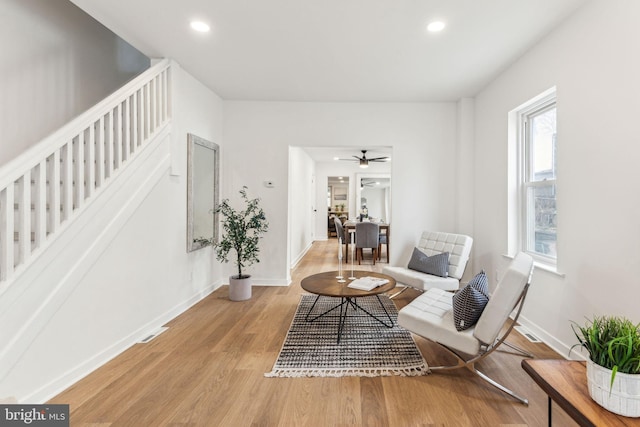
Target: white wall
302, 203
423, 136
594, 61
55, 62
375, 201
465, 154
142, 279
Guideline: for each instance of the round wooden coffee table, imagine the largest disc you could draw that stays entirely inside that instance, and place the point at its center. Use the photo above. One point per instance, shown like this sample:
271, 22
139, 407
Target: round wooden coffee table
326, 284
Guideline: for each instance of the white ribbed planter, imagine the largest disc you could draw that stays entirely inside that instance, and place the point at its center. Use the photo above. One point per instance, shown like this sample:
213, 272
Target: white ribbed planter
623, 398
239, 289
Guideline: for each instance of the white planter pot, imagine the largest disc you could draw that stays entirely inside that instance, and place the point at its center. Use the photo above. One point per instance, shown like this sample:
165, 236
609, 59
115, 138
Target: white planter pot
239, 289
623, 398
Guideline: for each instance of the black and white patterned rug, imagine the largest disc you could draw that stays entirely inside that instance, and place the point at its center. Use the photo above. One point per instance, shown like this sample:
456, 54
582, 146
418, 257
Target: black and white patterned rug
366, 348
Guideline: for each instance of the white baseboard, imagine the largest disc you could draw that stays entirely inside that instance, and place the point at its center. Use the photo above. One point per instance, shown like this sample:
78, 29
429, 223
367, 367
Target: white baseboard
69, 378
73, 253
557, 346
295, 262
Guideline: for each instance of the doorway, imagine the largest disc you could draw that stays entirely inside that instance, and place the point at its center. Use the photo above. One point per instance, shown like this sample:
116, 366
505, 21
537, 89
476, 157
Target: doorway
337, 202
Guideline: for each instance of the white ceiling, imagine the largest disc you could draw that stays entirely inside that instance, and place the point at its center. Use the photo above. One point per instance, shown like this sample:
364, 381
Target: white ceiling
336, 50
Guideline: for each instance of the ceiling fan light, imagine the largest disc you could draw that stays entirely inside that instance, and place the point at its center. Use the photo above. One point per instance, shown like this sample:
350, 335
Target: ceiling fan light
364, 163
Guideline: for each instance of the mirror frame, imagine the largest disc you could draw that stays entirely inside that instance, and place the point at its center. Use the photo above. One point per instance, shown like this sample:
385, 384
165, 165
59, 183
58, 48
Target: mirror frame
192, 142
359, 177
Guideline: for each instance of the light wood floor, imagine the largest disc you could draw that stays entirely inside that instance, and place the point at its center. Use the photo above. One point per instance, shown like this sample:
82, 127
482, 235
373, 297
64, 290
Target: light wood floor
207, 370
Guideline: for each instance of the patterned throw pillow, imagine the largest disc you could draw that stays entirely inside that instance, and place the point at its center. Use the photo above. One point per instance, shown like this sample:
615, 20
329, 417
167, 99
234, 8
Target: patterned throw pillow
470, 301
438, 265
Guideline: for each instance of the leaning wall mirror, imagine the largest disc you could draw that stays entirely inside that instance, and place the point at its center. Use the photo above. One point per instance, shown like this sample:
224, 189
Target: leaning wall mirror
203, 165
373, 193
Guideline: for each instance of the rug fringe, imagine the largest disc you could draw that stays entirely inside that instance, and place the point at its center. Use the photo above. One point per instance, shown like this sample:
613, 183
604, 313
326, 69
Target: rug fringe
337, 373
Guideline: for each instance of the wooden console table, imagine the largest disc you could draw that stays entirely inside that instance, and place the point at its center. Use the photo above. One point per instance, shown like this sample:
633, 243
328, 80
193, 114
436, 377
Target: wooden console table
565, 382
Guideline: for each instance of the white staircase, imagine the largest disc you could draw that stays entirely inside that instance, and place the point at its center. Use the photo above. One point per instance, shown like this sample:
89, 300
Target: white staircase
64, 200
44, 189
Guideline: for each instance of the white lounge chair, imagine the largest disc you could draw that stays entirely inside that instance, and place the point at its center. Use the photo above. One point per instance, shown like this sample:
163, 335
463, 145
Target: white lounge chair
430, 315
433, 243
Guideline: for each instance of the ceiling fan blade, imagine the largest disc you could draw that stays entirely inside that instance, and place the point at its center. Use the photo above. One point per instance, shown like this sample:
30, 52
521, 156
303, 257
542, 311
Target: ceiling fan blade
364, 160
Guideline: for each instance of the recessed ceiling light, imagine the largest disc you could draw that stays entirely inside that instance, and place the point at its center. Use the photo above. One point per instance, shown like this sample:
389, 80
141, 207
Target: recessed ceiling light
435, 26
199, 26
336, 158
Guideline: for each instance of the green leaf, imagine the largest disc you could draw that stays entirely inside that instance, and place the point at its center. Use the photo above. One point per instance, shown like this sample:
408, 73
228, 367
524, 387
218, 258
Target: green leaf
242, 230
612, 342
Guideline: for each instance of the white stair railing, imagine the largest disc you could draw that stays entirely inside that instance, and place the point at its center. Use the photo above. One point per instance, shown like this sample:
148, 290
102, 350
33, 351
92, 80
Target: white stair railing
45, 187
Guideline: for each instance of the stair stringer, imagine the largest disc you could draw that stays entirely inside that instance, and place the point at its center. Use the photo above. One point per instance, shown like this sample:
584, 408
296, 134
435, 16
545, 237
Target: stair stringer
41, 289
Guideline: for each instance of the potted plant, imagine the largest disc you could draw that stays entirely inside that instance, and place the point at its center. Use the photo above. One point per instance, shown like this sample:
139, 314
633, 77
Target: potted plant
241, 232
613, 367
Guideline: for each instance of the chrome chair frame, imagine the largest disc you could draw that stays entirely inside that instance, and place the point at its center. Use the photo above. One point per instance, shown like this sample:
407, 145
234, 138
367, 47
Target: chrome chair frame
487, 350
429, 314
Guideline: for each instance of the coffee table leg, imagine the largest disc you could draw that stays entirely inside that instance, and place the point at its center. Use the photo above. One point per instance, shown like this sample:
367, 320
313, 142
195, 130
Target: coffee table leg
356, 306
343, 316
311, 309
344, 307
385, 312
321, 314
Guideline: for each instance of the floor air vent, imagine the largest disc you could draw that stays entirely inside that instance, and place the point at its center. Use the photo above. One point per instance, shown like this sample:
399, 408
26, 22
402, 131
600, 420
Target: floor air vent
527, 334
153, 335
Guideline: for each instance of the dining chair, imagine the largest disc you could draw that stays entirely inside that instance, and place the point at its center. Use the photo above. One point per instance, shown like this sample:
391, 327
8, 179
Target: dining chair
331, 227
341, 235
367, 237
383, 240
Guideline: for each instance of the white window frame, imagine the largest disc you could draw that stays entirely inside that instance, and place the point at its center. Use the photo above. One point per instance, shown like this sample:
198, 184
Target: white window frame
535, 107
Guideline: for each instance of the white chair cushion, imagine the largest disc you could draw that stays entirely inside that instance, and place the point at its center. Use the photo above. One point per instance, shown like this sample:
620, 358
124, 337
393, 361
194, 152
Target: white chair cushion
431, 315
458, 246
433, 243
419, 280
504, 298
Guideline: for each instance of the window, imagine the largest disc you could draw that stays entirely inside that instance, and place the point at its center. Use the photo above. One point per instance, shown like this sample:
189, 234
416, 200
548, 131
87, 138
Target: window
538, 180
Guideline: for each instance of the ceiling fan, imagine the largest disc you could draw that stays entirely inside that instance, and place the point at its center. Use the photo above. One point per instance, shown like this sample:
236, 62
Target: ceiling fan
364, 161
366, 182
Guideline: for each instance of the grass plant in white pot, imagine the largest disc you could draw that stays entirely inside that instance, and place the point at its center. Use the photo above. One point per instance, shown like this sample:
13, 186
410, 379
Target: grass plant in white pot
242, 230
613, 367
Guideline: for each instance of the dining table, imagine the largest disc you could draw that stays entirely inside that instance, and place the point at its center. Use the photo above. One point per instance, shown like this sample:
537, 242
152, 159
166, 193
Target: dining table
350, 227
